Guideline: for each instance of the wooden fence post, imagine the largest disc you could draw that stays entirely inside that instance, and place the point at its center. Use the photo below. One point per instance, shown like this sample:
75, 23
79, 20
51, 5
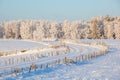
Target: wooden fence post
41, 67
22, 70
4, 74
81, 58
58, 61
16, 71
65, 59
11, 72
76, 59
46, 65
35, 67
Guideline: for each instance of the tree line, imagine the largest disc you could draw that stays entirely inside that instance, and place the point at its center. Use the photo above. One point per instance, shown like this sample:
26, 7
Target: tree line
97, 28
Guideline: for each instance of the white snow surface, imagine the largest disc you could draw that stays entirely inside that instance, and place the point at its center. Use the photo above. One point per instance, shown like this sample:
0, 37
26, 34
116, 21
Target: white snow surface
11, 45
105, 67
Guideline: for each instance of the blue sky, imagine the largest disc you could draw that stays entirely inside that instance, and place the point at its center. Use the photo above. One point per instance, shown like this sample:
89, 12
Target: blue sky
57, 9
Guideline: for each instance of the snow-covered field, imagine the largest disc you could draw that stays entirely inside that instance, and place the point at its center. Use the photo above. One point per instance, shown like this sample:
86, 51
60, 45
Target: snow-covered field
10, 45
104, 67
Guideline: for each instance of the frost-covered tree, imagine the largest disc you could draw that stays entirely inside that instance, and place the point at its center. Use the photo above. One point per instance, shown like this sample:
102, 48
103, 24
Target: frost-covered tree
87, 32
117, 30
95, 29
1, 31
60, 33
15, 30
109, 30
53, 30
26, 31
39, 33
66, 28
7, 30
101, 25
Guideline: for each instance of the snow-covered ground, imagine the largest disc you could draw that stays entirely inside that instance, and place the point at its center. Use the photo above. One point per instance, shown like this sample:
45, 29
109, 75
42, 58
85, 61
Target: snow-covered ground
104, 67
11, 45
